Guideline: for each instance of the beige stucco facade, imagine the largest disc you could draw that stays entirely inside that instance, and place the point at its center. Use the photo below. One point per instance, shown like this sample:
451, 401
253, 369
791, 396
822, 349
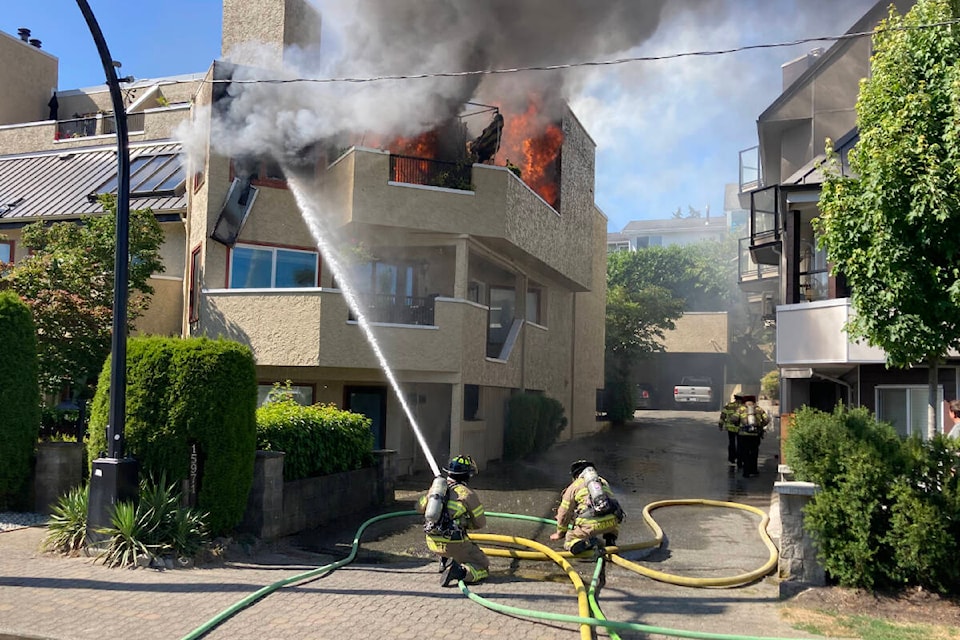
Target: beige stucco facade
497, 292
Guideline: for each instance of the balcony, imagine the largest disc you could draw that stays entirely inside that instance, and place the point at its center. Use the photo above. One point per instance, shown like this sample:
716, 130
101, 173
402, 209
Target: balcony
431, 173
98, 124
812, 333
397, 309
750, 270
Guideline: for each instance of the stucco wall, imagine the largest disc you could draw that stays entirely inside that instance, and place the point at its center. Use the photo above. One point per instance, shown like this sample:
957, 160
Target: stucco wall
698, 333
28, 76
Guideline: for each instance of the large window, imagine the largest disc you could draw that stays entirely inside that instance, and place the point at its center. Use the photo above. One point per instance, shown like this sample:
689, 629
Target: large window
194, 302
906, 408
394, 279
6, 251
260, 267
301, 393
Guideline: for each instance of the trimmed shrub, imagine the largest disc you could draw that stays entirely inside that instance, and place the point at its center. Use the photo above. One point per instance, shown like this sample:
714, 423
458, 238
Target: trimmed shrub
182, 393
19, 399
520, 431
770, 385
317, 440
888, 513
550, 425
533, 425
620, 405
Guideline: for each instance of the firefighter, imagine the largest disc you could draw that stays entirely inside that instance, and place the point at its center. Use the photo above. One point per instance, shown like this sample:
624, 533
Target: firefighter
751, 421
450, 509
727, 423
589, 503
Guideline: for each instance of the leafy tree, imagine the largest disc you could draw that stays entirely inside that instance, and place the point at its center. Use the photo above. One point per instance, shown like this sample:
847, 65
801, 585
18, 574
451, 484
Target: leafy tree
892, 230
68, 283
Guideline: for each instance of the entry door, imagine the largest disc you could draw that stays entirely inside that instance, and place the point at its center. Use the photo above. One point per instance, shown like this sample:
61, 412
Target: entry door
371, 402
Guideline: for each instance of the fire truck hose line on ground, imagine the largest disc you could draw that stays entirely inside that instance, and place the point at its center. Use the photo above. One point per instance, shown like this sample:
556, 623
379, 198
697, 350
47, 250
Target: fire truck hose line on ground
589, 613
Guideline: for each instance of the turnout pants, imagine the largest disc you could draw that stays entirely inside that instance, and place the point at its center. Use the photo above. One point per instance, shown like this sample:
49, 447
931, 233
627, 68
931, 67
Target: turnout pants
732, 449
465, 552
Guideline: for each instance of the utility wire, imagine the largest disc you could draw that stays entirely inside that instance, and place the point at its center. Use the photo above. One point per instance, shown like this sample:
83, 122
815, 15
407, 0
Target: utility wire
592, 63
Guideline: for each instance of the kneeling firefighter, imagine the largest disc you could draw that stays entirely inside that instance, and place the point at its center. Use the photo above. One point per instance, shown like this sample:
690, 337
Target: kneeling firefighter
451, 508
588, 503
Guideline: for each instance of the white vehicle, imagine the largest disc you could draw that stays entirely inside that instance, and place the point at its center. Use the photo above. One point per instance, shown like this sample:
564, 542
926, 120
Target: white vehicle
694, 392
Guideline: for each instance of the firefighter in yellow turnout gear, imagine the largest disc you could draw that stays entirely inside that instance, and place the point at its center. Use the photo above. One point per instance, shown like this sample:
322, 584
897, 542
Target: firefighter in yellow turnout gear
727, 421
589, 504
451, 508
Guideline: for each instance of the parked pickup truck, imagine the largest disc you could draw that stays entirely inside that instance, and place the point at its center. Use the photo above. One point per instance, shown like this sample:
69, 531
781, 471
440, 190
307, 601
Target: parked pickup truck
694, 392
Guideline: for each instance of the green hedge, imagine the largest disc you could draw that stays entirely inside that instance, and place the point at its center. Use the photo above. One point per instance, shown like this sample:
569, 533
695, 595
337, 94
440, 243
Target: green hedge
317, 440
534, 423
184, 392
888, 511
19, 399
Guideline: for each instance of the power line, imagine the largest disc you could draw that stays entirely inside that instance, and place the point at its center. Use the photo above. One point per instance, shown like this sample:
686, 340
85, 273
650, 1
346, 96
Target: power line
590, 63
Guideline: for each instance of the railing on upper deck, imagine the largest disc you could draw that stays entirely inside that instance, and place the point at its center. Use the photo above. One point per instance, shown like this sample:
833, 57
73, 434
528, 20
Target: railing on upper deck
96, 125
433, 173
396, 309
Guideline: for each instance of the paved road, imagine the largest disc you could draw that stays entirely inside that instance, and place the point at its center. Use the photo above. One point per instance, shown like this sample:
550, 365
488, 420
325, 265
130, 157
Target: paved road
392, 589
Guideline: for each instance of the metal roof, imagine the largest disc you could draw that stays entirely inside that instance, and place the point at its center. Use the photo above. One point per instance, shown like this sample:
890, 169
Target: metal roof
56, 184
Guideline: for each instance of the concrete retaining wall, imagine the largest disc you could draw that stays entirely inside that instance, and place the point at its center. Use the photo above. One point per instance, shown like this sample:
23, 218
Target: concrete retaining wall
59, 469
276, 508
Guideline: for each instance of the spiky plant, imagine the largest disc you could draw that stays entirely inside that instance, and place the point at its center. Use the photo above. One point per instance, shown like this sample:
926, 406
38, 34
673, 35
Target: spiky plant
67, 528
131, 529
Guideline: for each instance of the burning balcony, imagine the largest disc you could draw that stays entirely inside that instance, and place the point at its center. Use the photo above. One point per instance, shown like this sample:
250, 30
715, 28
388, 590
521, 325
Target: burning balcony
433, 173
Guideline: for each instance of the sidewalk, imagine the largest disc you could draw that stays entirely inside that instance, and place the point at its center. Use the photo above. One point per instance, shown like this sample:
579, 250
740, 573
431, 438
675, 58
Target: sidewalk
51, 597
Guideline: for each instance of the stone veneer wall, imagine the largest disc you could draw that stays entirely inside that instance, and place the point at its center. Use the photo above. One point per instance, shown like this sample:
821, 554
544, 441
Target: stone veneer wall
276, 508
798, 553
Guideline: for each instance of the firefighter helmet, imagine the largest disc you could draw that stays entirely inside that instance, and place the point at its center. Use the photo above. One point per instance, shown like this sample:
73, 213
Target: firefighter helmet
461, 468
578, 466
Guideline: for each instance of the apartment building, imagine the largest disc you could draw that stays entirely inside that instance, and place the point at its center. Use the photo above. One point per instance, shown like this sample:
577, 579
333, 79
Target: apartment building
788, 274
475, 288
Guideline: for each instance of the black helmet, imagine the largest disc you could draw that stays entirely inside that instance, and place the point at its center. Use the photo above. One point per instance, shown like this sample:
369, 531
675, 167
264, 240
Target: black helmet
461, 468
578, 466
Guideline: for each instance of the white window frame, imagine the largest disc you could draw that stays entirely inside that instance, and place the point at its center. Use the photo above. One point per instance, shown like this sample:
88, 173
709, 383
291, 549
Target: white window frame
907, 388
273, 263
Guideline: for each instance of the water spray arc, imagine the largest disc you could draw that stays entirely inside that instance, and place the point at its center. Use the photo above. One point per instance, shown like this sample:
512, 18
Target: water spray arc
319, 229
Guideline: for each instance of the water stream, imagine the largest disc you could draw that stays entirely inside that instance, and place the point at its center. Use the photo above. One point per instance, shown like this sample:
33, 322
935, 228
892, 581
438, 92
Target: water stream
322, 233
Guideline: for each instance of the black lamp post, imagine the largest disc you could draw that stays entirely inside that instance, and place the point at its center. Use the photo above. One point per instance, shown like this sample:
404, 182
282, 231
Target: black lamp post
114, 478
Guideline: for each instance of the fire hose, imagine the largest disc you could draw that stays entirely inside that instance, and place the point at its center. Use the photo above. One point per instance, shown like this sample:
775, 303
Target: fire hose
586, 600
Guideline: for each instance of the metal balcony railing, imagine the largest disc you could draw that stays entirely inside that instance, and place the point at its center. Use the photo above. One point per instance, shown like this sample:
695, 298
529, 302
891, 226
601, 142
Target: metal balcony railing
750, 269
98, 124
396, 309
433, 173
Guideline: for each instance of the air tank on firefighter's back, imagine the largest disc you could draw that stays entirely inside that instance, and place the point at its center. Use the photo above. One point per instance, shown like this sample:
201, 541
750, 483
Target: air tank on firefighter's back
438, 491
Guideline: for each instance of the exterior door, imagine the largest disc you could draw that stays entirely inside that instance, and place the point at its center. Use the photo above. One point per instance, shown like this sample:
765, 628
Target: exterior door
371, 402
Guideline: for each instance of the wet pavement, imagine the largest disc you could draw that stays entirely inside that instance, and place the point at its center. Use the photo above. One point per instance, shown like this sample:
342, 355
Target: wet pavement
391, 590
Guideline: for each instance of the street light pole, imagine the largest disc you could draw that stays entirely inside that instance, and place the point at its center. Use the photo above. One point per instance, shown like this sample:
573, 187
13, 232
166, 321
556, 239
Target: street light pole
114, 478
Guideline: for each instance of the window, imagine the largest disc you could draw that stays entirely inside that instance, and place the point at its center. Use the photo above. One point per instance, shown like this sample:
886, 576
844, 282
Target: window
396, 279
262, 173
471, 402
301, 393
906, 408
194, 301
151, 175
6, 251
261, 267
649, 241
533, 306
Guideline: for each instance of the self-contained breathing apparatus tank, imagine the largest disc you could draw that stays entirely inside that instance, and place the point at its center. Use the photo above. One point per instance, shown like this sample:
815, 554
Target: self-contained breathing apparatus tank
751, 426
436, 498
599, 499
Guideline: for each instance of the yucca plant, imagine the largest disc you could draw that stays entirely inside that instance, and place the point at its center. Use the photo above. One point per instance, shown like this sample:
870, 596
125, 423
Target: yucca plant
67, 528
189, 532
160, 502
131, 529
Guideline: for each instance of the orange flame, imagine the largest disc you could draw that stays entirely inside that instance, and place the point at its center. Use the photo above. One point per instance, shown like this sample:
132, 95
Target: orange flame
533, 144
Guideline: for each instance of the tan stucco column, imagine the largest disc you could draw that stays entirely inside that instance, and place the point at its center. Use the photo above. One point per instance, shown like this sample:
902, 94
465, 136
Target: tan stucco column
461, 270
456, 417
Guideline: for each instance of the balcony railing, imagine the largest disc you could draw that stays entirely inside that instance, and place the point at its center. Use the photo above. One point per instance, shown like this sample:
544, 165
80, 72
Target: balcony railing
397, 309
433, 173
96, 125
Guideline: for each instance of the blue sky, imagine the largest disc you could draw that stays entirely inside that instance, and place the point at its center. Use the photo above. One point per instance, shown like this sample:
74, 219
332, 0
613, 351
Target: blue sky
668, 133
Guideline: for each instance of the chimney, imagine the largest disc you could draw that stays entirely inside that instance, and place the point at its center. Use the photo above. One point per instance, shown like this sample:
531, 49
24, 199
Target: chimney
35, 42
24, 33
